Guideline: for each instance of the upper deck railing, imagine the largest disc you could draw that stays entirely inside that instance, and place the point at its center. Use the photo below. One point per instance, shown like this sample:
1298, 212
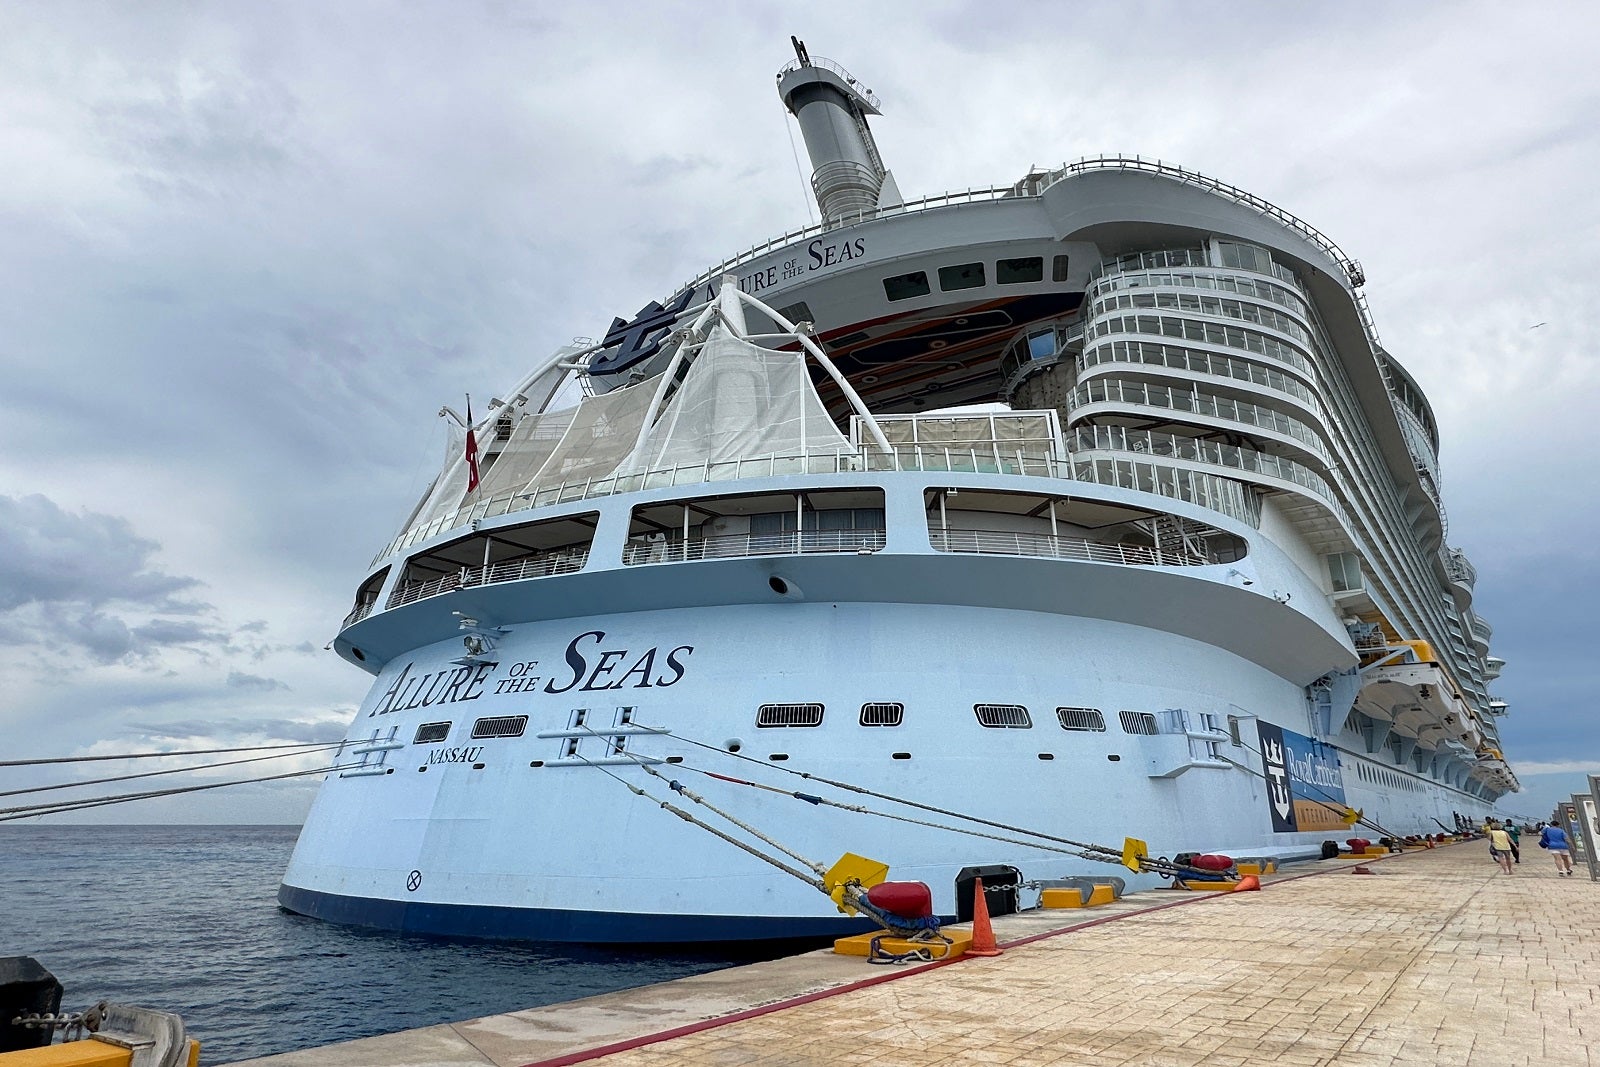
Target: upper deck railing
1035, 184
1352, 270
834, 68
1217, 494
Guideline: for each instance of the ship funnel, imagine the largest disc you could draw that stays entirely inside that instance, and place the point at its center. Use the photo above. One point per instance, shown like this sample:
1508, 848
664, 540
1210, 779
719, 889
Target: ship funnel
848, 176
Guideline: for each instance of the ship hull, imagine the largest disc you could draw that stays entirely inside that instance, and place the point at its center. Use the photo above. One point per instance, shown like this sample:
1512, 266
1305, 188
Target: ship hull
541, 837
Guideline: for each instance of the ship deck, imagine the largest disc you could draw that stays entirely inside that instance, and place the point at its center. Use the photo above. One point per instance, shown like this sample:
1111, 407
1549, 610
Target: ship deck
1436, 958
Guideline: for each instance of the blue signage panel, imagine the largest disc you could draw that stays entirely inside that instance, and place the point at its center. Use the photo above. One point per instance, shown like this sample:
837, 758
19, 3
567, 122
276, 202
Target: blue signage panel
1305, 789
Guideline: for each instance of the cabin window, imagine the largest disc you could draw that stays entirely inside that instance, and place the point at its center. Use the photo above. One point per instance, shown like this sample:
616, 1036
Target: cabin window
906, 286
776, 715
1139, 722
1017, 271
1003, 716
882, 714
431, 732
961, 276
499, 726
1058, 269
1344, 568
1088, 719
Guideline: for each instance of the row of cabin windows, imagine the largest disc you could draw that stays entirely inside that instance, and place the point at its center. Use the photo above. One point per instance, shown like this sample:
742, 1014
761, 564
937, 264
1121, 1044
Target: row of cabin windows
1380, 776
975, 276
992, 716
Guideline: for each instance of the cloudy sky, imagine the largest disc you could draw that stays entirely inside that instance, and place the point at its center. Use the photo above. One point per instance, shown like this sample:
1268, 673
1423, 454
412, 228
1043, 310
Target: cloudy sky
247, 250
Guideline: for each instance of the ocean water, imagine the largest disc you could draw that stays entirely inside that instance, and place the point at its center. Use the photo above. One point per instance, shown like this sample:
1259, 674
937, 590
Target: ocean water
185, 919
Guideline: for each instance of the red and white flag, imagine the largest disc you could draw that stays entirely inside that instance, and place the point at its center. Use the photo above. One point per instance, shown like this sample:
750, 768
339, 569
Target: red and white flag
472, 451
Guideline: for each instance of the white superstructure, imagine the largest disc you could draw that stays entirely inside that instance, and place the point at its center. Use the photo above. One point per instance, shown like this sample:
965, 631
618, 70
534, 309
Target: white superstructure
1186, 581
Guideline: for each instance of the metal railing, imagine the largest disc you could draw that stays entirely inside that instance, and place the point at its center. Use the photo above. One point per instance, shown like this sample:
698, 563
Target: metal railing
738, 546
1116, 391
360, 612
1218, 307
1175, 446
1457, 566
834, 68
542, 565
1354, 275
910, 207
1217, 279
1212, 364
1023, 461
1050, 546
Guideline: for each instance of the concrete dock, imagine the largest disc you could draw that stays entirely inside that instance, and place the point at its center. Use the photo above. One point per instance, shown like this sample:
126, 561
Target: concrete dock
1434, 958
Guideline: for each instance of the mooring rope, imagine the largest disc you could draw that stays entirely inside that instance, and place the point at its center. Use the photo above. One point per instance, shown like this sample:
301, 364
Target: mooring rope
169, 770
1113, 855
813, 880
58, 807
155, 755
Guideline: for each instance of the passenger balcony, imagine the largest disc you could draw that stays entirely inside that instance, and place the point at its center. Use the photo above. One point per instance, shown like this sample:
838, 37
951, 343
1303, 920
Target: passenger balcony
738, 546
539, 565
992, 543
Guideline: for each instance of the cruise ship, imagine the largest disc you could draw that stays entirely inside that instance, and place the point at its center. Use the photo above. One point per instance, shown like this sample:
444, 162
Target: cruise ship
1089, 505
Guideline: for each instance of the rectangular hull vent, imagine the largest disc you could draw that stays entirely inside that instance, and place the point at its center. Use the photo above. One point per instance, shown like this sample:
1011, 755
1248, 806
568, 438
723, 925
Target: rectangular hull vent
789, 715
1003, 716
431, 732
1139, 722
1090, 719
882, 714
499, 726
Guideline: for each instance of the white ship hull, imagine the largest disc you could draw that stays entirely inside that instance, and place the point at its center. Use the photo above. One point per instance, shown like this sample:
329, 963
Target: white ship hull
1192, 587
515, 837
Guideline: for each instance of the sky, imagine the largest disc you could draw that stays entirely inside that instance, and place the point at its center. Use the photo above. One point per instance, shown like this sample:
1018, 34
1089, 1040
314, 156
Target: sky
248, 250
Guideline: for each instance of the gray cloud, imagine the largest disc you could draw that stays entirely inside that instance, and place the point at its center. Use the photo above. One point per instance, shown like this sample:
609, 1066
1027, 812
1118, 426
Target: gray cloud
241, 680
231, 731
301, 228
50, 555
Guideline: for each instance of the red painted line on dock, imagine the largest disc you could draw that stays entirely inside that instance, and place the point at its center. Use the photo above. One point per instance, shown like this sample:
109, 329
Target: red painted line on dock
822, 994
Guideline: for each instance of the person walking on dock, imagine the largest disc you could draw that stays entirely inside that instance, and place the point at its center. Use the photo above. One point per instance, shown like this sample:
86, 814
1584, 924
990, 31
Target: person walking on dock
1514, 832
1554, 839
1500, 848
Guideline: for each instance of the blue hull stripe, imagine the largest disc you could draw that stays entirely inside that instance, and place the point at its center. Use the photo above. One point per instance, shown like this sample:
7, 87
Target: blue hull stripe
554, 924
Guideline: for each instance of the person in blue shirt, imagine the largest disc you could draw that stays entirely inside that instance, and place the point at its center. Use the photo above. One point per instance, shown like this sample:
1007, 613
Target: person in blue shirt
1554, 839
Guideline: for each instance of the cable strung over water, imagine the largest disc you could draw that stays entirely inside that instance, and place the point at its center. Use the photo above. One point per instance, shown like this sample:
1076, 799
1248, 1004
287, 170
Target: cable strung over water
157, 755
172, 770
56, 807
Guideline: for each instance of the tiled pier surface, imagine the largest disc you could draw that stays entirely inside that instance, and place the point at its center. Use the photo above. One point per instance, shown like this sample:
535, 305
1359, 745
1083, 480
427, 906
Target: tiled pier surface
1435, 958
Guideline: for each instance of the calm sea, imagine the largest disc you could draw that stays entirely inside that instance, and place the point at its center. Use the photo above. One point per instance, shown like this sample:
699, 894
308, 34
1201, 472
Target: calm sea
185, 919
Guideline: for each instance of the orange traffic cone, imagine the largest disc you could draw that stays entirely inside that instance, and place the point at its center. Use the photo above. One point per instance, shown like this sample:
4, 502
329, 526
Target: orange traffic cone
1248, 884
982, 933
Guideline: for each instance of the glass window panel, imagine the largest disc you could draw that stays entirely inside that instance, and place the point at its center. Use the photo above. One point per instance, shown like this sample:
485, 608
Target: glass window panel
961, 276
906, 286
1016, 271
